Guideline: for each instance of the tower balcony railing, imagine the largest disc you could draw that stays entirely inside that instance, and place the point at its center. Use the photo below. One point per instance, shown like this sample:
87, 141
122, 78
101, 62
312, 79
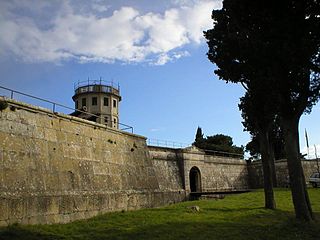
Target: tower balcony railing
96, 86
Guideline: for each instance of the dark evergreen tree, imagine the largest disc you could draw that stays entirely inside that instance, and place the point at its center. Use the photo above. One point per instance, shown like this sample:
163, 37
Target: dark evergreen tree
253, 148
198, 142
276, 44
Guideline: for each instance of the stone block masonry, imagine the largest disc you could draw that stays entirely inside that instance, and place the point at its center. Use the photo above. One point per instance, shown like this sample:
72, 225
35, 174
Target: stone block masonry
214, 173
55, 168
256, 172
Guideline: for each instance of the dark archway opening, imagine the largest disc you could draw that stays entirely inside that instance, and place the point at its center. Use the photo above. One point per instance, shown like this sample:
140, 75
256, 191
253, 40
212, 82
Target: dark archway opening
195, 180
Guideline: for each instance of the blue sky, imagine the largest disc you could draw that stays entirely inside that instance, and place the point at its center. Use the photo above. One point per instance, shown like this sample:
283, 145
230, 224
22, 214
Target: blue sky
155, 50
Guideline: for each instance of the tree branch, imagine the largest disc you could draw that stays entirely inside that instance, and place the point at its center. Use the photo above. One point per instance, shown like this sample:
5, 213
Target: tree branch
244, 86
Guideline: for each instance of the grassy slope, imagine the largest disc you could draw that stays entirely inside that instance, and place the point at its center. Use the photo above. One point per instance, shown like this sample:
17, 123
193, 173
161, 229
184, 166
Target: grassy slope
235, 217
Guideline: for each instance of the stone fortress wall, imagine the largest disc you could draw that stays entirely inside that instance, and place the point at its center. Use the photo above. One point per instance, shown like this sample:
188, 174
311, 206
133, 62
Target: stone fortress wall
255, 172
216, 173
55, 168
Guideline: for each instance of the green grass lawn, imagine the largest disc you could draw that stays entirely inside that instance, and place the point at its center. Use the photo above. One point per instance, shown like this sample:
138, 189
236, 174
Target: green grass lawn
235, 217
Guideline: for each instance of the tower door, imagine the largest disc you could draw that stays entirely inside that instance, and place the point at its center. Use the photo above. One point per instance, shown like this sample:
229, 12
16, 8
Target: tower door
195, 180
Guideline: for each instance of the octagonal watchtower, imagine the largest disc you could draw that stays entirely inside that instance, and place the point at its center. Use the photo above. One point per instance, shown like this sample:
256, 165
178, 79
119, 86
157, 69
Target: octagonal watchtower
97, 101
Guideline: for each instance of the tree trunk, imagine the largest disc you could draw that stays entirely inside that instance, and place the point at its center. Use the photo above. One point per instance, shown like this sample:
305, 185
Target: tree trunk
273, 166
299, 192
267, 170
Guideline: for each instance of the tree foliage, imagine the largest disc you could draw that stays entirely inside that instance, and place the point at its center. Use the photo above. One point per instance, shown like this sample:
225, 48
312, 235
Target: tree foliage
277, 141
218, 142
253, 148
199, 137
272, 49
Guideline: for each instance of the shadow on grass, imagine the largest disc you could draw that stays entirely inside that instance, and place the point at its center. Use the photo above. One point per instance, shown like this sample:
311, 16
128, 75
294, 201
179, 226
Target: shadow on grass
228, 209
226, 231
234, 218
17, 232
267, 226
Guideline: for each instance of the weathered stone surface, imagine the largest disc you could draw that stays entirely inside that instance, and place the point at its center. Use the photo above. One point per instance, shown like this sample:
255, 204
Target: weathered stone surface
256, 172
57, 168
216, 173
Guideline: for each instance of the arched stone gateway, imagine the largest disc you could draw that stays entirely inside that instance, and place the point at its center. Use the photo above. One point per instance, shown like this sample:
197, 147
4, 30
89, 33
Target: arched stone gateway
195, 179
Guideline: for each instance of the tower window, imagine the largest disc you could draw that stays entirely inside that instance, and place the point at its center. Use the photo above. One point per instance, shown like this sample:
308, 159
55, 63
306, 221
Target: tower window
105, 101
114, 103
84, 102
94, 101
106, 119
77, 104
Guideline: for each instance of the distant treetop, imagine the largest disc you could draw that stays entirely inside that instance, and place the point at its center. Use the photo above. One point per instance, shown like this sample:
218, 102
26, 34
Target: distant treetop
218, 142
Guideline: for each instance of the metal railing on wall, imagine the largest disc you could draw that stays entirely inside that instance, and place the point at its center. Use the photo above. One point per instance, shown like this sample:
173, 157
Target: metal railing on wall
12, 93
172, 144
224, 154
166, 143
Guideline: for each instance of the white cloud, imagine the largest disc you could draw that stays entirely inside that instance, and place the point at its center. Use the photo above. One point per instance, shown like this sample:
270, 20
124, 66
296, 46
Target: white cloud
162, 59
196, 18
167, 57
126, 35
164, 32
